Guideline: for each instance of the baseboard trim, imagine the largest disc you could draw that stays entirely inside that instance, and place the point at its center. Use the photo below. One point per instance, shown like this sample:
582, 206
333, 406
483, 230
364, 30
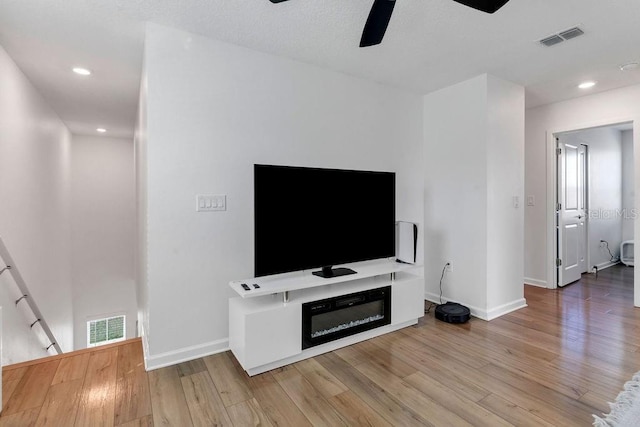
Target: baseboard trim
535, 282
507, 308
145, 346
475, 311
482, 314
434, 298
185, 354
607, 264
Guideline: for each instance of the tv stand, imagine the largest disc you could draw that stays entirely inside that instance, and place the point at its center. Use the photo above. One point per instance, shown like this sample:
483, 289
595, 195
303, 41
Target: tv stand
265, 322
328, 272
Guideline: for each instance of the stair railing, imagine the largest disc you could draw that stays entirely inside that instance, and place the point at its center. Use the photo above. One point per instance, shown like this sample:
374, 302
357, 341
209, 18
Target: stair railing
11, 267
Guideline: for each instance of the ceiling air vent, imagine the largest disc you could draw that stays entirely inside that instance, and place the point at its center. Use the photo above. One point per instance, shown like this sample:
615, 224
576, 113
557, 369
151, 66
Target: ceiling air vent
569, 34
550, 41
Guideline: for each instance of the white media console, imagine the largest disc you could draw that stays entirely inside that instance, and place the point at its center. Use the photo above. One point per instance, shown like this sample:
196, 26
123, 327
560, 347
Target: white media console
265, 322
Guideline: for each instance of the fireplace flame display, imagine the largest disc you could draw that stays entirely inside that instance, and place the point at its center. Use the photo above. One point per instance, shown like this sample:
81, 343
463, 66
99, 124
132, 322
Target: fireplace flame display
344, 326
334, 318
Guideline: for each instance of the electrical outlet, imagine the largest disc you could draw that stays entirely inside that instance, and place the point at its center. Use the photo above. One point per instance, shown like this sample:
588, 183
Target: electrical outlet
450, 267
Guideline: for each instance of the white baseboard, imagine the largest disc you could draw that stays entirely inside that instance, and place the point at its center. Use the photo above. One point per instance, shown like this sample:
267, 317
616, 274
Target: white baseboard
507, 308
535, 282
428, 296
480, 313
475, 311
185, 354
145, 345
607, 264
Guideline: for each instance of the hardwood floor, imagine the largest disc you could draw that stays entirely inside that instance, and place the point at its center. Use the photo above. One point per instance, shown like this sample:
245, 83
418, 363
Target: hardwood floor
553, 363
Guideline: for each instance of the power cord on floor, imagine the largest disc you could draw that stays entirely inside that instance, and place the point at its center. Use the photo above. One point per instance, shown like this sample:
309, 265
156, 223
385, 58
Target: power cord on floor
428, 310
444, 270
613, 258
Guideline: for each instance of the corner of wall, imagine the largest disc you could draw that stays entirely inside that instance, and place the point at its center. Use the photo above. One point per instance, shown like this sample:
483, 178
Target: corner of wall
141, 178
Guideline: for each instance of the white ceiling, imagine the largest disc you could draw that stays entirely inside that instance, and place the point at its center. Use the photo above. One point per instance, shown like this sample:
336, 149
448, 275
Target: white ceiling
429, 44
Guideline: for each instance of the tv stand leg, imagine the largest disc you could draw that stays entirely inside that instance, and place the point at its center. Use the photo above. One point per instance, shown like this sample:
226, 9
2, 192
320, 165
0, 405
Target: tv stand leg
285, 297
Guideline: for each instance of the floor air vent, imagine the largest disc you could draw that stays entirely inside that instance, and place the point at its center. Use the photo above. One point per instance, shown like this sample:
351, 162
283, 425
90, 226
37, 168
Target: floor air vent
555, 39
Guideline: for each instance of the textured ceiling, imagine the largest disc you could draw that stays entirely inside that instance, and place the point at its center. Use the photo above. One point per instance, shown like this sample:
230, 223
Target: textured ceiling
429, 44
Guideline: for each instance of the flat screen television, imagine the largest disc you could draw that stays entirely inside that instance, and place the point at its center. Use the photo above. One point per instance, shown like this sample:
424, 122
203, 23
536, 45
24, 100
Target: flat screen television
307, 218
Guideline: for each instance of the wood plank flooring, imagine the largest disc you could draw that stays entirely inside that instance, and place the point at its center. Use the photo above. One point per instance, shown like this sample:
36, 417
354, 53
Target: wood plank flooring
553, 363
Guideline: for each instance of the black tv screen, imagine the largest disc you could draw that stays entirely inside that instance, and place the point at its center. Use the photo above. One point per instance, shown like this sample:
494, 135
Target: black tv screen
309, 218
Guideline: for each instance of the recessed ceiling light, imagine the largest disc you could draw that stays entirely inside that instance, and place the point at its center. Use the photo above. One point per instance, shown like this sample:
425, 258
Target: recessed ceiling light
629, 66
586, 85
82, 71
101, 130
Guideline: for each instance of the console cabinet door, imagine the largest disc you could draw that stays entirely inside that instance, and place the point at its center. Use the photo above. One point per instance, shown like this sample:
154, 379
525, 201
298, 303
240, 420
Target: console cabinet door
407, 300
261, 337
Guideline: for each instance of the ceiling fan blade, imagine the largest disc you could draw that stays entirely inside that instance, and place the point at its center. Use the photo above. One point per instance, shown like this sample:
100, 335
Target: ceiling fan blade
489, 6
277, 1
377, 22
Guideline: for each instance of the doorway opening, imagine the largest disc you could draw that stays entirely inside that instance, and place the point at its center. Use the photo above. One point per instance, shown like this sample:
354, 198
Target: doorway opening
594, 200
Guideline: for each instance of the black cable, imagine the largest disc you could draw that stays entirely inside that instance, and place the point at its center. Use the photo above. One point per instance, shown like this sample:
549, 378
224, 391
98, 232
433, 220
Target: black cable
613, 258
433, 304
444, 269
428, 310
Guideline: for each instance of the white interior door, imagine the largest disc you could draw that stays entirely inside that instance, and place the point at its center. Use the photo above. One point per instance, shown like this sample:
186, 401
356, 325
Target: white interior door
571, 212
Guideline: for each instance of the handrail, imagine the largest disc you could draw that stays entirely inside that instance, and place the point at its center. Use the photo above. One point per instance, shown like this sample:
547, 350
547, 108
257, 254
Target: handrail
17, 277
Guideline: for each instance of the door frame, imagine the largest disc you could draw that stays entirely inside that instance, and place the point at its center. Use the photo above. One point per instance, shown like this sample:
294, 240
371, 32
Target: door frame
556, 218
552, 189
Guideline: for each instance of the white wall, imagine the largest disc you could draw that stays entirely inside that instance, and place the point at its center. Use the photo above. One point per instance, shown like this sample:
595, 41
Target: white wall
103, 237
140, 258
213, 110
605, 191
615, 106
505, 180
35, 159
20, 342
473, 134
628, 191
456, 191
67, 218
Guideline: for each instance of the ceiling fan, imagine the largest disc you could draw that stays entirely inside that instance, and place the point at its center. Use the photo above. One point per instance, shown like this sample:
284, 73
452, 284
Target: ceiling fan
381, 10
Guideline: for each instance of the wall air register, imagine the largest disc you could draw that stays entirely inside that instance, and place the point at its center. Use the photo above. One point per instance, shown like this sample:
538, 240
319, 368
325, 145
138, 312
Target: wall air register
339, 317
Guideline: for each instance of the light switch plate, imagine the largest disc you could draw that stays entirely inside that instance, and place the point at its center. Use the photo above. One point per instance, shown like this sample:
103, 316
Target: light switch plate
211, 202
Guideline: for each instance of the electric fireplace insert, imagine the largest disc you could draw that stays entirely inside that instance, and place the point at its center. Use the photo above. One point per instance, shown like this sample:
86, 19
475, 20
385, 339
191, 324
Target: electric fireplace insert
339, 317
